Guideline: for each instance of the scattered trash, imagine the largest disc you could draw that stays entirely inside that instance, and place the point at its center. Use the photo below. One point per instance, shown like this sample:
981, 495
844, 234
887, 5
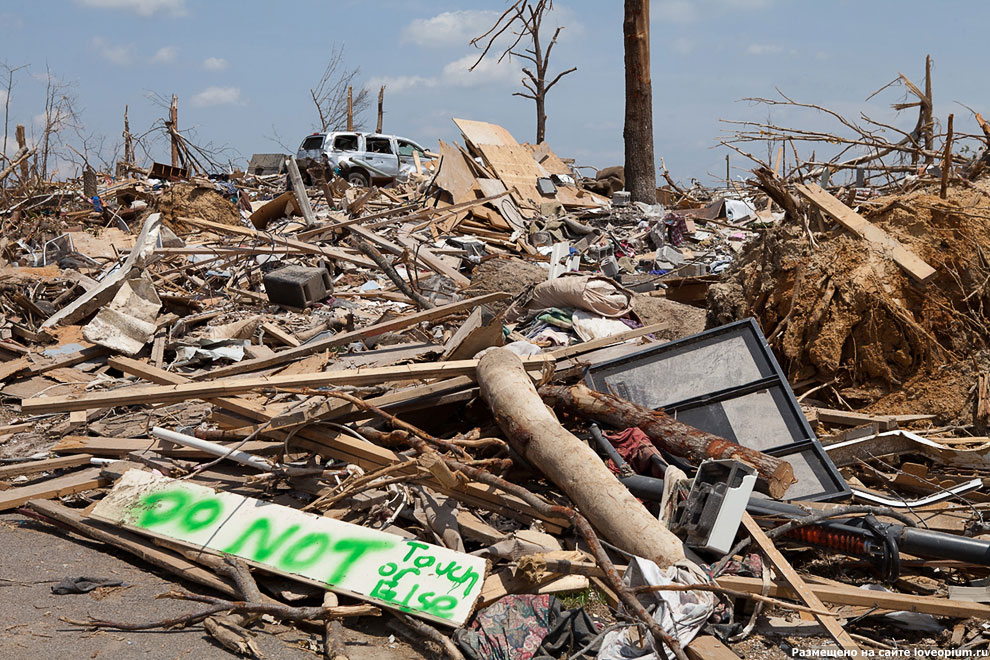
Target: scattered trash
469, 388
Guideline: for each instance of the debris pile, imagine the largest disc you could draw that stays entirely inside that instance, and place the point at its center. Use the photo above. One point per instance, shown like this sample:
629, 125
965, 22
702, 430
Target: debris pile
481, 403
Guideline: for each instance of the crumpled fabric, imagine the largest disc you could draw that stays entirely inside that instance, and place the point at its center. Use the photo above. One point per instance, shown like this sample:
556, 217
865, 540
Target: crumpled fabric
592, 326
82, 585
636, 448
676, 228
681, 614
525, 627
596, 294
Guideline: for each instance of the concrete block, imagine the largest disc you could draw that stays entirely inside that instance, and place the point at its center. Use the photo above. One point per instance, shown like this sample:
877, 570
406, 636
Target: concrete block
297, 286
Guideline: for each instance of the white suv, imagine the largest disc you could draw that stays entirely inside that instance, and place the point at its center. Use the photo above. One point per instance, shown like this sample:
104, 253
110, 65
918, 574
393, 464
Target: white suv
362, 158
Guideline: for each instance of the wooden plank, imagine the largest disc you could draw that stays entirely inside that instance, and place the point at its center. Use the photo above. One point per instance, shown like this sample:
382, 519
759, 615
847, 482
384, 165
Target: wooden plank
507, 582
300, 191
75, 482
279, 335
848, 595
706, 647
331, 409
46, 465
344, 338
784, 568
334, 555
375, 238
913, 265
69, 360
92, 445
423, 254
849, 418
455, 175
272, 209
134, 395
13, 367
307, 248
345, 448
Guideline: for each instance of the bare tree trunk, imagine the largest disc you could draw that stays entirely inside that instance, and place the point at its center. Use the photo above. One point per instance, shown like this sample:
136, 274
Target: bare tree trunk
535, 433
381, 104
128, 141
775, 475
541, 117
929, 127
22, 145
173, 117
947, 160
641, 178
350, 108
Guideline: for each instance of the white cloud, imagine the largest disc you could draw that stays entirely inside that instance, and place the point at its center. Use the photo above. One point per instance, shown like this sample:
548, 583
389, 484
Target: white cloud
455, 74
119, 55
218, 96
451, 28
141, 7
165, 55
215, 64
689, 11
764, 49
489, 71
400, 84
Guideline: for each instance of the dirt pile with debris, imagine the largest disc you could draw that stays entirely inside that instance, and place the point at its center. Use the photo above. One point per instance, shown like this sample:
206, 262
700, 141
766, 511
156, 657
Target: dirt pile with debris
185, 200
842, 311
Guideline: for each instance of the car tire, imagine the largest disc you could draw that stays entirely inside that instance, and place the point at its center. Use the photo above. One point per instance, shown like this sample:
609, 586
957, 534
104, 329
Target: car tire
359, 179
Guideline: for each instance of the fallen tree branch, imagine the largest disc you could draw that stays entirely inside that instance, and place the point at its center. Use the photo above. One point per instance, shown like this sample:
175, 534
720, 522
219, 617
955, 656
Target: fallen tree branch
218, 605
369, 251
775, 475
430, 633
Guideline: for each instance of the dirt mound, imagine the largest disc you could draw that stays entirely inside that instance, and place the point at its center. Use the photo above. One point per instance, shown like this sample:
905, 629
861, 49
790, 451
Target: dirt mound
187, 200
512, 276
680, 320
843, 311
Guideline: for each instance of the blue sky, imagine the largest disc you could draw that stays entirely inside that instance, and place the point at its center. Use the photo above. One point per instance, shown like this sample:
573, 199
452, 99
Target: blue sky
242, 70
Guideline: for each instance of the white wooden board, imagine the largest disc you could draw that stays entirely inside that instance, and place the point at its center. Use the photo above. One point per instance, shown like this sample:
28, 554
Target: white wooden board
426, 580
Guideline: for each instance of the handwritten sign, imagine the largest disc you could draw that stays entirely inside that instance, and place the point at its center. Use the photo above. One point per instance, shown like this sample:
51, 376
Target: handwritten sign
423, 579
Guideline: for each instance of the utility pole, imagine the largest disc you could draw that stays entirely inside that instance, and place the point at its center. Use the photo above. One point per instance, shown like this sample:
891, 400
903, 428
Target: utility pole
641, 177
350, 108
173, 117
381, 102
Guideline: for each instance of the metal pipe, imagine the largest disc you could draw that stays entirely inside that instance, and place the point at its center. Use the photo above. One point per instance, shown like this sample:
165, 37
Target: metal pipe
235, 455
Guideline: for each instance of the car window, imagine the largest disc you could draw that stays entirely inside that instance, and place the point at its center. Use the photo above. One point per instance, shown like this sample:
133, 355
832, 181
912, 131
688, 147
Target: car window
312, 142
345, 143
379, 145
407, 148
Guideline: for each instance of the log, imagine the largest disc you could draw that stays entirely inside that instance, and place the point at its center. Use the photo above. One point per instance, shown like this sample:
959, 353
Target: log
775, 475
573, 466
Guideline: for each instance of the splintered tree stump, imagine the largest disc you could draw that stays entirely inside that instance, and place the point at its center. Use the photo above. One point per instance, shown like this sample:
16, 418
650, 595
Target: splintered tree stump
775, 475
534, 432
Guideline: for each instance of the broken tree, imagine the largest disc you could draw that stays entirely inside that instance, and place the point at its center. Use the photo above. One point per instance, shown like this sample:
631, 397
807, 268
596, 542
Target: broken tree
535, 433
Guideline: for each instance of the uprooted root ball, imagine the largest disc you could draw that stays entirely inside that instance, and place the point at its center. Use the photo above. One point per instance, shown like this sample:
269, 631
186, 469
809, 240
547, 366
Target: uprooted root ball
844, 311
